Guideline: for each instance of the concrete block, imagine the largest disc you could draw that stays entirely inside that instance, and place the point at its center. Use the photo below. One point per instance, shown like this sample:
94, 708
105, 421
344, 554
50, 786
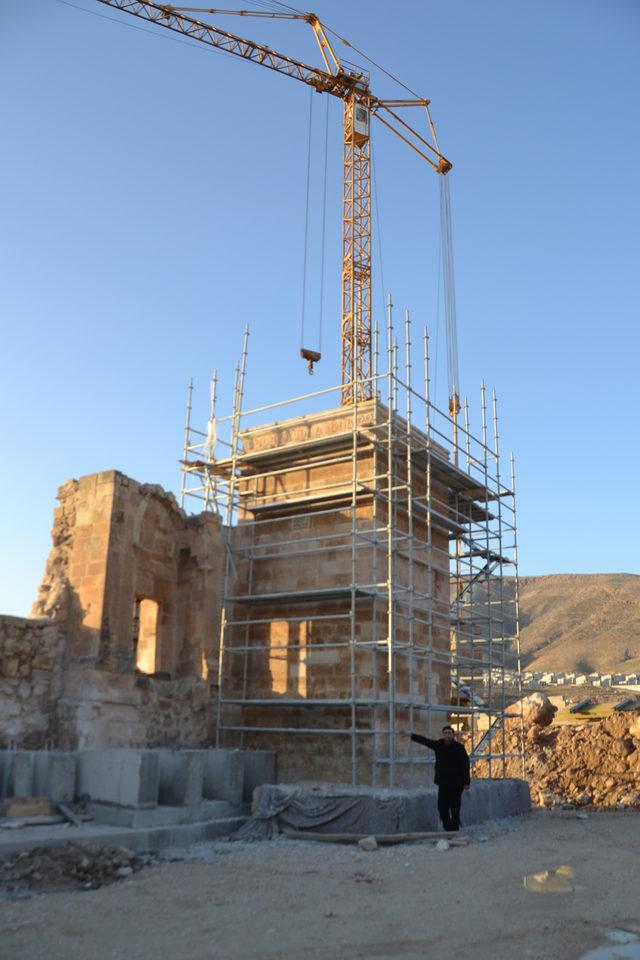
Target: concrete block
6, 759
420, 813
211, 810
21, 774
224, 775
162, 816
181, 776
259, 768
128, 778
136, 817
155, 838
55, 776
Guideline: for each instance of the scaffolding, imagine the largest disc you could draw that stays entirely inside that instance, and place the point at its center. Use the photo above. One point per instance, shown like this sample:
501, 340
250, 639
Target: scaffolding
370, 584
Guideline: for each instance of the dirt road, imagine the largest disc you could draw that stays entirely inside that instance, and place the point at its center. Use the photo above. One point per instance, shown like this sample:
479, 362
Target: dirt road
291, 900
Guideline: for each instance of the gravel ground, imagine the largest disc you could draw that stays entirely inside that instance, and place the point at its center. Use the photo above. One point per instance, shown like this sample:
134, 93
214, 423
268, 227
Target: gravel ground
286, 900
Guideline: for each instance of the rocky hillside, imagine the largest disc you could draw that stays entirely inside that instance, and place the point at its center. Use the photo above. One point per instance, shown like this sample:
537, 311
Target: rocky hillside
581, 622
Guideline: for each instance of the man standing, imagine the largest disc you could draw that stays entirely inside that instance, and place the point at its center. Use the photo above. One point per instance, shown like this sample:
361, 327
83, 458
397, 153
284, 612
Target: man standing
452, 774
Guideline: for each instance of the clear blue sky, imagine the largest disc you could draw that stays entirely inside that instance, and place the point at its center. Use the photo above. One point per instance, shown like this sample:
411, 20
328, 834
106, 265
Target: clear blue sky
152, 199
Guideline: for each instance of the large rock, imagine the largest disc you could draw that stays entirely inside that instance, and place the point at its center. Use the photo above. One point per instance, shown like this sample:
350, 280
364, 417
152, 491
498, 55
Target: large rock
538, 710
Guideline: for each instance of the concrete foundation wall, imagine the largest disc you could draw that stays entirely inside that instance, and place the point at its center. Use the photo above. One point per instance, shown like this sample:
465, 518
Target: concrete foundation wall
206, 781
31, 773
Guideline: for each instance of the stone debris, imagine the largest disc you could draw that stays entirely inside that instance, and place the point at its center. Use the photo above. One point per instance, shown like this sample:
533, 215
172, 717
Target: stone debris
594, 764
442, 845
368, 843
73, 866
365, 878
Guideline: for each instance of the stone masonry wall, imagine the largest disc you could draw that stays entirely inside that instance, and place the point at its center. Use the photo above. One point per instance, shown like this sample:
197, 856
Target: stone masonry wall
31, 655
102, 708
116, 541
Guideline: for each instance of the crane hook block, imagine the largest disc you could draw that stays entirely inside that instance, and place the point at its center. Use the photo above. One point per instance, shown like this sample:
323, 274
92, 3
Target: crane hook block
311, 356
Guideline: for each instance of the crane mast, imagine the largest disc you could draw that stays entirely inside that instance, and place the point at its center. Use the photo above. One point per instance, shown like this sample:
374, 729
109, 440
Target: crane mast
359, 106
356, 252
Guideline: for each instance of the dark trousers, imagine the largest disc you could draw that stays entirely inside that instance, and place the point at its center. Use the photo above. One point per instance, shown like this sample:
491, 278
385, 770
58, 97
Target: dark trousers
449, 799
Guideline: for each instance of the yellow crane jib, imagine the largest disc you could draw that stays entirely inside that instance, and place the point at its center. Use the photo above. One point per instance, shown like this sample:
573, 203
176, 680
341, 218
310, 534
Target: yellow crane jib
359, 106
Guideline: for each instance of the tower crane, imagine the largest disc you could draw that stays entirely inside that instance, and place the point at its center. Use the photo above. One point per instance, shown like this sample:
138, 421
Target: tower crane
360, 104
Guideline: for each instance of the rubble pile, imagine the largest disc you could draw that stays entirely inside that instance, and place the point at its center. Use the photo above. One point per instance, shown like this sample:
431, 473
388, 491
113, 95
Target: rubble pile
593, 763
70, 867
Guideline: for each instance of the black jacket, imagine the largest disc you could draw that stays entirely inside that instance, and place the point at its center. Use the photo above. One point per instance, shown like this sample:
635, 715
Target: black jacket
452, 762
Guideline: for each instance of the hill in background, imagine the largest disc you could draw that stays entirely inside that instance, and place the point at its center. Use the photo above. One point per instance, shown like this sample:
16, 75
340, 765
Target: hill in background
580, 622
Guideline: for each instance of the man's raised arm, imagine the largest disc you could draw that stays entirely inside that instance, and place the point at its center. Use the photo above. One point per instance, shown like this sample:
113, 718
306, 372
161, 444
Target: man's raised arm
424, 741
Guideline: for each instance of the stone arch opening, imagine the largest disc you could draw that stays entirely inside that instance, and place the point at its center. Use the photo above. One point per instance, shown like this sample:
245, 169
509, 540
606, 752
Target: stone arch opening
146, 616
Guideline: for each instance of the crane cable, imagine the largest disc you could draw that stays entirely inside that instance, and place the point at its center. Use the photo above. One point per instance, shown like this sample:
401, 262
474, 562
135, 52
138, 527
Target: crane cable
449, 296
313, 356
306, 225
324, 222
436, 339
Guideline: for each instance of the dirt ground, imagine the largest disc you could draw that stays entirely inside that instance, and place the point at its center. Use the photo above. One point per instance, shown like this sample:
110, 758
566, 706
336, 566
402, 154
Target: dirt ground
287, 899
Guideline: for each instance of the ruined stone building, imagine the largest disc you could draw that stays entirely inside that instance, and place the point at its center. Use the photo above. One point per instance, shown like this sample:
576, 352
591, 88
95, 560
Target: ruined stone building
119, 650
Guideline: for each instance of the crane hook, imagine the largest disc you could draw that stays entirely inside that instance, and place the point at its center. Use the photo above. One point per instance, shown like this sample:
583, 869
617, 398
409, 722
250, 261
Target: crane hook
311, 356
